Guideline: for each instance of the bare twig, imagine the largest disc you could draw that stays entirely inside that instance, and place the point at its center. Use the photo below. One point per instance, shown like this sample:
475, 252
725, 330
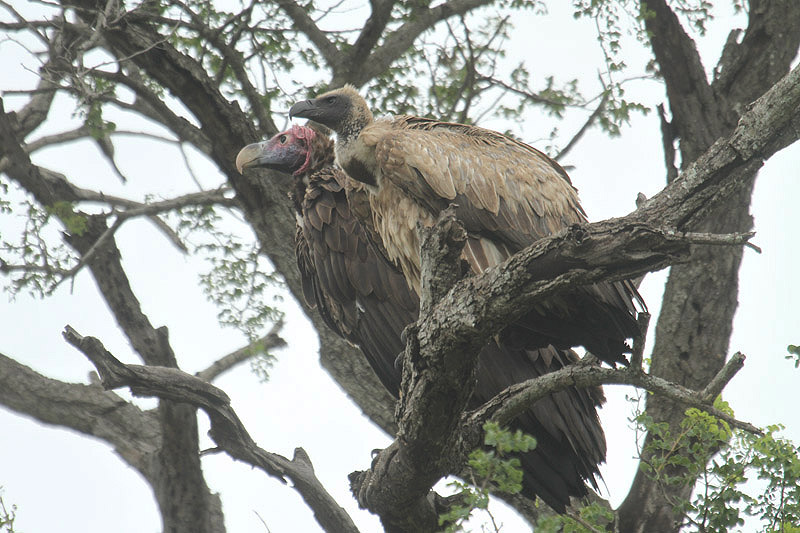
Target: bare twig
169, 233
586, 125
268, 342
575, 516
150, 211
403, 37
304, 23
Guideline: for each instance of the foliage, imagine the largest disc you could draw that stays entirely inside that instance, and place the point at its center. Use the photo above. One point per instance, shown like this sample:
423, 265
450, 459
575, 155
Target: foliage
466, 78
722, 501
727, 495
490, 470
35, 259
794, 353
613, 20
7, 516
594, 515
95, 90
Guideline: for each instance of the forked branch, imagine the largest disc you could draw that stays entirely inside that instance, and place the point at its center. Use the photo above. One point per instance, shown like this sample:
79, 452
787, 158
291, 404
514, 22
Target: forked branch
227, 429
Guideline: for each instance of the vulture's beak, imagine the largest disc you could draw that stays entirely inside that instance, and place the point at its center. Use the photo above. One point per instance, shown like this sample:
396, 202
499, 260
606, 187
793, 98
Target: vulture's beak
304, 109
249, 156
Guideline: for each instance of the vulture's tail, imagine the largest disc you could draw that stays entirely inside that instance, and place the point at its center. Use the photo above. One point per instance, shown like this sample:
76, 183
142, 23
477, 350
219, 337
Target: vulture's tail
570, 441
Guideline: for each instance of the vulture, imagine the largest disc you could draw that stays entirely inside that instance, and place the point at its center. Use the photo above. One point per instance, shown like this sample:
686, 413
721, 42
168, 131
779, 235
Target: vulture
506, 194
364, 297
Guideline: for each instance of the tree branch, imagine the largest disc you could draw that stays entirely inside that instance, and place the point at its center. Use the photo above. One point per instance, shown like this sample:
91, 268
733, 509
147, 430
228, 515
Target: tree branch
233, 59
586, 125
151, 106
304, 23
517, 398
227, 429
668, 142
268, 342
370, 34
769, 44
178, 485
262, 195
134, 434
396, 43
699, 118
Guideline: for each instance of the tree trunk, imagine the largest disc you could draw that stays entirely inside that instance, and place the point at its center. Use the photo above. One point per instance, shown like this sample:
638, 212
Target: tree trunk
694, 327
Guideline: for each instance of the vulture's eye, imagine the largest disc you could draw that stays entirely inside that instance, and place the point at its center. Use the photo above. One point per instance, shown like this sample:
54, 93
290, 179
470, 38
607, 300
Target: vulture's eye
330, 100
282, 139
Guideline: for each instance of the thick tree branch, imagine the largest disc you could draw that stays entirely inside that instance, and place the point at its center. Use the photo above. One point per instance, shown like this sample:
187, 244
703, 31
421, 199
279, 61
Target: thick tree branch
227, 429
772, 123
668, 142
769, 44
683, 352
36, 110
396, 43
699, 117
304, 23
370, 35
181, 491
134, 434
262, 194
235, 61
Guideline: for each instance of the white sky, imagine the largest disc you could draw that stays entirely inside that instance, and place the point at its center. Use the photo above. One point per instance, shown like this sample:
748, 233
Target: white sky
64, 482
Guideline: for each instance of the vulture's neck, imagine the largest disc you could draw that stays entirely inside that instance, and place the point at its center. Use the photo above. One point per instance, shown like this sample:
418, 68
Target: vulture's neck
355, 157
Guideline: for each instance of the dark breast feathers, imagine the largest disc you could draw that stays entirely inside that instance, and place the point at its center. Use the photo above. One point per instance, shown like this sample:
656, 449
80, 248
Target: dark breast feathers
363, 297
358, 293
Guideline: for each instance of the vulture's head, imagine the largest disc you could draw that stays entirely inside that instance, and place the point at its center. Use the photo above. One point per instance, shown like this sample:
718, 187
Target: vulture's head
291, 151
342, 110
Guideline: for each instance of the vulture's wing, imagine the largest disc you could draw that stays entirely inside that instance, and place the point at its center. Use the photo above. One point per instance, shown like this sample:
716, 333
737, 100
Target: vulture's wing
358, 293
508, 195
503, 189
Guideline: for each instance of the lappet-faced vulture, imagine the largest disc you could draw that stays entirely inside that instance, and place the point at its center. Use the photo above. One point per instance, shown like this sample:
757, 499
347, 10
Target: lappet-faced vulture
365, 298
507, 194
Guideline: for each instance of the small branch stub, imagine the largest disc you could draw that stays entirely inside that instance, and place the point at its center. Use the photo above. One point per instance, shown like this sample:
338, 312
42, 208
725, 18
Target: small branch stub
440, 252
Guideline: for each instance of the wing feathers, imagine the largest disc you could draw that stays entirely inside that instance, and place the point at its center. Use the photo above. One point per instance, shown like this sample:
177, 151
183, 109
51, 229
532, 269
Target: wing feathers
481, 171
508, 195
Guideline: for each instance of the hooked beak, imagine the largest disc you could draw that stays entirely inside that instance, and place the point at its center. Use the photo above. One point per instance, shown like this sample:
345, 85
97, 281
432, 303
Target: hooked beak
249, 156
304, 109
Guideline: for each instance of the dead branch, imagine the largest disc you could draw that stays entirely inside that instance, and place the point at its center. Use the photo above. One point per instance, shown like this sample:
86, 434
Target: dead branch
227, 430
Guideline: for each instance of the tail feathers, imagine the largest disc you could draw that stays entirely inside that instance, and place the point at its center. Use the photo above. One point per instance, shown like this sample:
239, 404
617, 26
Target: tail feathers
570, 441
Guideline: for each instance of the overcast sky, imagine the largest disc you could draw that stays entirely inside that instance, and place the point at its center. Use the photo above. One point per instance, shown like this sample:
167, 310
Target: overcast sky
64, 482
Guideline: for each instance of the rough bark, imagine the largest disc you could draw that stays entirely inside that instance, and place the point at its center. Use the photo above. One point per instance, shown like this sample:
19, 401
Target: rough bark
694, 328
